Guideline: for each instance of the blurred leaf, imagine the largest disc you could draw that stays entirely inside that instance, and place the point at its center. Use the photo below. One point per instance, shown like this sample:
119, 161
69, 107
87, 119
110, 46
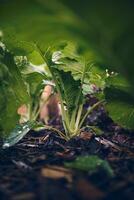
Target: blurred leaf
110, 36
13, 92
101, 35
17, 134
40, 21
35, 82
16, 46
91, 164
120, 101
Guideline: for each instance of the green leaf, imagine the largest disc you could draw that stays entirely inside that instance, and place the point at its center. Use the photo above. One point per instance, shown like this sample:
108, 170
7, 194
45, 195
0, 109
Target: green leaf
97, 76
18, 47
120, 101
35, 82
33, 64
13, 92
17, 134
64, 57
69, 89
100, 34
60, 60
109, 36
39, 21
91, 164
72, 79
35, 58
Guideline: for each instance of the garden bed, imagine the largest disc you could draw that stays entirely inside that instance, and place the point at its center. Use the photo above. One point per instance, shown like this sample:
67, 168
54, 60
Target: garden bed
34, 168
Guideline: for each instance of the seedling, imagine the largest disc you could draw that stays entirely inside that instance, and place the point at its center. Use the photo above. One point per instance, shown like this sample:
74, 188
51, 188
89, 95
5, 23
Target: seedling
70, 76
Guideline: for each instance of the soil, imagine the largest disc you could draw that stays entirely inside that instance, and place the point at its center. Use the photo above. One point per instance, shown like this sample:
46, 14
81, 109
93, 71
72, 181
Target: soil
34, 168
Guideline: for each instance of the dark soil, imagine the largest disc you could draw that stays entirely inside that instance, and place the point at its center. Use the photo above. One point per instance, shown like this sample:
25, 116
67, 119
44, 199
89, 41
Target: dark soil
34, 168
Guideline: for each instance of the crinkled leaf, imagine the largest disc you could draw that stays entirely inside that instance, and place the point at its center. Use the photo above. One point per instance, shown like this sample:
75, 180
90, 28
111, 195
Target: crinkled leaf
17, 134
67, 59
64, 56
97, 76
66, 85
69, 89
91, 164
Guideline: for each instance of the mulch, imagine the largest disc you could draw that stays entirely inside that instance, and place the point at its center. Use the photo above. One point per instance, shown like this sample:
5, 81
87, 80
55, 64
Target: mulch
34, 168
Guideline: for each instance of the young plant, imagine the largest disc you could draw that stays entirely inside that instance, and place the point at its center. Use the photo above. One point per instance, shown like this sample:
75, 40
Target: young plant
71, 77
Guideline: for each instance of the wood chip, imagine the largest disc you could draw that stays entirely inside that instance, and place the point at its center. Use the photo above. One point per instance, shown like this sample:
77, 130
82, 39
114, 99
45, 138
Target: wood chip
56, 172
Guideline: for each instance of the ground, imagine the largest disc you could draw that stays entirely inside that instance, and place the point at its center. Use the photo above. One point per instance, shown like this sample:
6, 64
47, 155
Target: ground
34, 168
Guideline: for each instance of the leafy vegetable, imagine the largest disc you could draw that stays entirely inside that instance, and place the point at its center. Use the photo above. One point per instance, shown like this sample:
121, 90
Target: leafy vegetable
69, 72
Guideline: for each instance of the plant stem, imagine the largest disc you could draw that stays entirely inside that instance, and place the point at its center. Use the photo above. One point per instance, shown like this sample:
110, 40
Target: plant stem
73, 118
78, 117
89, 111
56, 130
64, 117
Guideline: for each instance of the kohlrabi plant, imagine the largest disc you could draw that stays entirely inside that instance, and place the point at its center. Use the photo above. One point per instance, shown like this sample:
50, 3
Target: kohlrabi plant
70, 75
